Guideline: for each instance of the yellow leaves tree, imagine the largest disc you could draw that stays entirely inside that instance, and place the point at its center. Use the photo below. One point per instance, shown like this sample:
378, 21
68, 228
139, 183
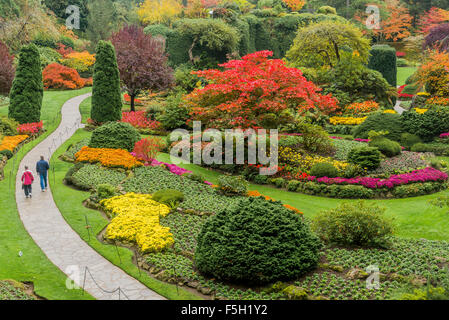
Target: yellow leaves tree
294, 5
158, 11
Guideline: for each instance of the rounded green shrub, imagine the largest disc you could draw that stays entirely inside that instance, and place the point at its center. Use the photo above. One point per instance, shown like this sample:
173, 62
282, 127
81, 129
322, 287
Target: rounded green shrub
106, 190
326, 10
408, 140
380, 122
324, 169
354, 224
233, 185
170, 197
8, 127
6, 153
256, 241
117, 135
386, 146
365, 157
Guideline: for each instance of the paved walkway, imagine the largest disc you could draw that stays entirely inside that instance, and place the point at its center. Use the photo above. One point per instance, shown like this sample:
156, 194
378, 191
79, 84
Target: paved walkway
60, 243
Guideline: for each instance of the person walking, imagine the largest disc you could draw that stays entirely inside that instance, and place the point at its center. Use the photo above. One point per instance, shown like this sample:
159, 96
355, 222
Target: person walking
27, 181
42, 167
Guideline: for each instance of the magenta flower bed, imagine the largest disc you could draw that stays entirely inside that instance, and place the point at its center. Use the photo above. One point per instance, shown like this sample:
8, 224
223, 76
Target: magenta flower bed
173, 168
444, 135
424, 175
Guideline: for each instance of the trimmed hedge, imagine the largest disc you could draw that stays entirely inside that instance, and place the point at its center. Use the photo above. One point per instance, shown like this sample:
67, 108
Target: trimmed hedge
427, 125
256, 241
117, 135
381, 122
383, 59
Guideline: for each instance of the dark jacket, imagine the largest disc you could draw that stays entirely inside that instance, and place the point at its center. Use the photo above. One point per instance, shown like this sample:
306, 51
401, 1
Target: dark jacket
42, 166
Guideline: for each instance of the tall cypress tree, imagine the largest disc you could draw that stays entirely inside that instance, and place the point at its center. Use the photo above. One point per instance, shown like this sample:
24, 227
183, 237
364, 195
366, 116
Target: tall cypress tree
27, 88
106, 96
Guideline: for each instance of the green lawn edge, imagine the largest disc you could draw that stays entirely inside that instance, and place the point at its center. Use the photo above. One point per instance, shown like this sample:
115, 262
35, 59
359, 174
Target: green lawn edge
33, 266
69, 201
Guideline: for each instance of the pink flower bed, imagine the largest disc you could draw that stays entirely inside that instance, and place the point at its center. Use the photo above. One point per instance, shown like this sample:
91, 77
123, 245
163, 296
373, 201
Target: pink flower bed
424, 175
173, 168
30, 128
444, 135
139, 120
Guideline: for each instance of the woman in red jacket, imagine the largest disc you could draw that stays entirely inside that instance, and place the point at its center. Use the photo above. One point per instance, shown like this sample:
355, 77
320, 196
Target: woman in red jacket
27, 181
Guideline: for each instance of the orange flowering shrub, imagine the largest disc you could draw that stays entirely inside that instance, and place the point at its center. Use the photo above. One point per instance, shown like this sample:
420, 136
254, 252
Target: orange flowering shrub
441, 101
255, 193
11, 142
107, 157
362, 107
56, 76
434, 73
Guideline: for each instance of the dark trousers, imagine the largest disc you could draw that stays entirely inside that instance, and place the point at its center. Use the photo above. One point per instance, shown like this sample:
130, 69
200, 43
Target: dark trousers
43, 178
27, 189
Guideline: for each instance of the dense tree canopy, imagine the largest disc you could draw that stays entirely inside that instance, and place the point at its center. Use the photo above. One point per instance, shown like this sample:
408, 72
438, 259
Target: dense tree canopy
322, 44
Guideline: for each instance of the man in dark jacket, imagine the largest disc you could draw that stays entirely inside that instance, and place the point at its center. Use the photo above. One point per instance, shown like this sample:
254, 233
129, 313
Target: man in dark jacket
42, 169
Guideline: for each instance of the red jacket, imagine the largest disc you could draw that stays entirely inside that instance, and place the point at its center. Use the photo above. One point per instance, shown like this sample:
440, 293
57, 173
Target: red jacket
27, 178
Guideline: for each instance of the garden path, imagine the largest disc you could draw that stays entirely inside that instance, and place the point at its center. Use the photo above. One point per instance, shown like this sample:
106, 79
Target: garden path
60, 243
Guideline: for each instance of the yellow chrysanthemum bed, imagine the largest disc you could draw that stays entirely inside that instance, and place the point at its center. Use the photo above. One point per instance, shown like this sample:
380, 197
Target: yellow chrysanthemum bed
136, 220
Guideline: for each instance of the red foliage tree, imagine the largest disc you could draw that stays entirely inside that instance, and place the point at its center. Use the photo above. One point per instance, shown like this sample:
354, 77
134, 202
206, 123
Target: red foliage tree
56, 76
253, 89
432, 18
438, 38
142, 62
6, 69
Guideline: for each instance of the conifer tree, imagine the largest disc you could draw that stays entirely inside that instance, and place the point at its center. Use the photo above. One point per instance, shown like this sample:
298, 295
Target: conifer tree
27, 88
106, 96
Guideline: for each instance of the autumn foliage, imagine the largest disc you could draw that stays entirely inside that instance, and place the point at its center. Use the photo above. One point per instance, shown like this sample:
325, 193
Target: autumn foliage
399, 22
6, 69
252, 89
434, 73
294, 5
433, 18
57, 76
147, 149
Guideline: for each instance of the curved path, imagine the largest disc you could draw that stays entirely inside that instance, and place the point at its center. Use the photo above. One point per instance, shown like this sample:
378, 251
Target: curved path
60, 243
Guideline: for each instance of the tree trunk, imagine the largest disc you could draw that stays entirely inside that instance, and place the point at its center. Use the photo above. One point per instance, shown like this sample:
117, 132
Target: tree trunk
132, 96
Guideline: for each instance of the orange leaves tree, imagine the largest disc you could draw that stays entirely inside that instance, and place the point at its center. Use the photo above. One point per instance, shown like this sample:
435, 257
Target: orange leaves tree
294, 5
255, 92
434, 73
398, 24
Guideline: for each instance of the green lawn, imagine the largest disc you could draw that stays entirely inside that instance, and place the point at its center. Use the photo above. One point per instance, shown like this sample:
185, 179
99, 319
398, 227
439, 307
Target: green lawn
404, 73
414, 216
33, 266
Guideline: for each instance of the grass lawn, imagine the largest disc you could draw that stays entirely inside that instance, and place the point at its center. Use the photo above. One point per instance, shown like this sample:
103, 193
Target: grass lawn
415, 217
69, 202
404, 73
33, 266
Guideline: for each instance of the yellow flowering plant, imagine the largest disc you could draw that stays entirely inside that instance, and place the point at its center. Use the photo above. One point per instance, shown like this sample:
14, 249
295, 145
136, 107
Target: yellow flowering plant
136, 220
306, 162
347, 120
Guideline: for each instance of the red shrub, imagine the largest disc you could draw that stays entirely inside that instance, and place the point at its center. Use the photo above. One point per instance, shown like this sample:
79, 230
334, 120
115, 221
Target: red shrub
6, 69
147, 148
252, 90
139, 120
30, 128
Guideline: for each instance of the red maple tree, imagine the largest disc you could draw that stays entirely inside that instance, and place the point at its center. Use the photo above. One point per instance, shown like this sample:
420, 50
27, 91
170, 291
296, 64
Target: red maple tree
249, 89
141, 61
6, 69
433, 18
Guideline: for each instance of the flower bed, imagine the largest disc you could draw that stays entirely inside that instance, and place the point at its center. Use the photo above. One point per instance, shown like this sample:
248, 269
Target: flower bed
423, 175
107, 157
346, 120
306, 162
30, 128
11, 142
441, 101
136, 220
139, 120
